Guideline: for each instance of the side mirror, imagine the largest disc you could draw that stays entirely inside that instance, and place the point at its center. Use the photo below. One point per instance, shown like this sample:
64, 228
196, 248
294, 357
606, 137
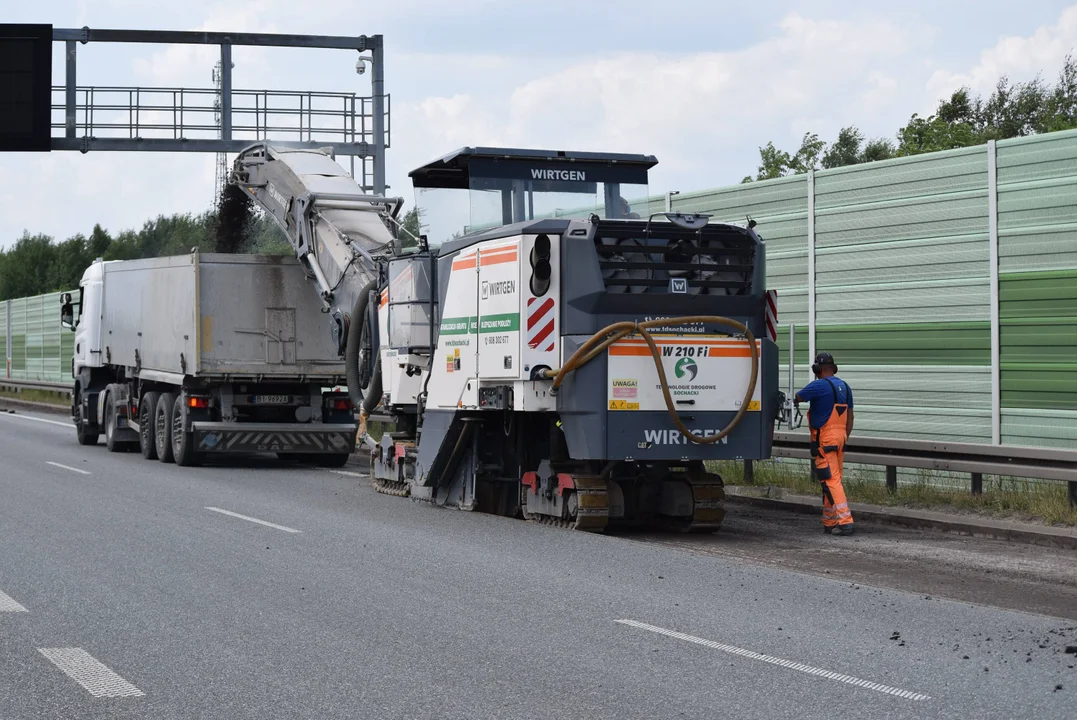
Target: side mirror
67, 312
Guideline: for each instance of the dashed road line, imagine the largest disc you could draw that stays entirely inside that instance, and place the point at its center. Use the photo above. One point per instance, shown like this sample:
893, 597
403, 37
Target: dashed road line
68, 467
7, 604
801, 667
349, 474
254, 520
37, 419
90, 673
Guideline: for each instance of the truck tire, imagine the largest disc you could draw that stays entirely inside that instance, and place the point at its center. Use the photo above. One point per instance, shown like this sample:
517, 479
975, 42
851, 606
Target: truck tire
111, 443
162, 426
84, 436
182, 442
147, 425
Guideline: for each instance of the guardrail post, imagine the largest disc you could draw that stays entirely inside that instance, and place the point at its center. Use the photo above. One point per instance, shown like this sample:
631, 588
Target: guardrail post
749, 472
1073, 493
977, 484
891, 479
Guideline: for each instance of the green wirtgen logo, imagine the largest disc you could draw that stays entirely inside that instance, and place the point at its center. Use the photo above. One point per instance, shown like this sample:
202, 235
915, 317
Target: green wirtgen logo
686, 366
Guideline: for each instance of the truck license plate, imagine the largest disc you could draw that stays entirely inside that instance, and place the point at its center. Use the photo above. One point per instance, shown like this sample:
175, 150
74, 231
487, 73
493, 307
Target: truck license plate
272, 399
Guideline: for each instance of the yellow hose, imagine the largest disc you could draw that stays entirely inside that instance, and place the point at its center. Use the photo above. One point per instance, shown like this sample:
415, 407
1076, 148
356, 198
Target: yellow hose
601, 340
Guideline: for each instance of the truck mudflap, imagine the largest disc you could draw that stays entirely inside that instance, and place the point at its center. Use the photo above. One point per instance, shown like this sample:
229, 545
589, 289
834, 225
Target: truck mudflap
323, 438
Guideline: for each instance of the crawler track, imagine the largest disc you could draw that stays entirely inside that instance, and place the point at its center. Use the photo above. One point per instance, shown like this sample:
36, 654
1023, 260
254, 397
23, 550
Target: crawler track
591, 506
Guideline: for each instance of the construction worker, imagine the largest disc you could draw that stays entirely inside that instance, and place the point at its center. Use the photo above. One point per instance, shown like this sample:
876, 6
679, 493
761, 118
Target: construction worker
830, 422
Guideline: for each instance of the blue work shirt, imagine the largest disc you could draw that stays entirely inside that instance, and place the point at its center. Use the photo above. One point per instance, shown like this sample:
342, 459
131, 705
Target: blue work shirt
821, 396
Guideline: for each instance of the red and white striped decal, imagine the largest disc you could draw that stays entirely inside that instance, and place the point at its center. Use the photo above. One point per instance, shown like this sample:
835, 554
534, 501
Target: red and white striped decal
540, 321
772, 315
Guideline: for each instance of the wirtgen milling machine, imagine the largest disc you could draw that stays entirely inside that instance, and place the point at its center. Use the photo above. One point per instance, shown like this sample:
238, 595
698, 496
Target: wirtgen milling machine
550, 344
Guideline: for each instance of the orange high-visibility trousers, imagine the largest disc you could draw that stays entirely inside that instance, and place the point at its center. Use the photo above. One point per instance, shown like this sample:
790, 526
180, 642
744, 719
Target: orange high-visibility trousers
828, 457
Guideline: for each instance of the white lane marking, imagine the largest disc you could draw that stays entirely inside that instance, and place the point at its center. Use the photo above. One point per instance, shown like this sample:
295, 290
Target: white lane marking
7, 604
68, 467
349, 474
90, 673
801, 667
254, 520
37, 419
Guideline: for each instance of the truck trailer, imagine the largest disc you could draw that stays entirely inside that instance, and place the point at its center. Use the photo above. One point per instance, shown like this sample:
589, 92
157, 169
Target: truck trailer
191, 356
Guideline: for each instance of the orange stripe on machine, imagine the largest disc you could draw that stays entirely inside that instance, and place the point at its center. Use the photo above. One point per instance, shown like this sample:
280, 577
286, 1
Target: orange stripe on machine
711, 351
498, 258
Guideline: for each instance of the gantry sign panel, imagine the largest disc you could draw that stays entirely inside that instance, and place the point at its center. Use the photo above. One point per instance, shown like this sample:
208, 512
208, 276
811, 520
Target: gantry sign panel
25, 87
218, 120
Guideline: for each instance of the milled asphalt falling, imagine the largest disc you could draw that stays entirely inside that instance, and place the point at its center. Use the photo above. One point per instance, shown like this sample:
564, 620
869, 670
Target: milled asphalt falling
386, 608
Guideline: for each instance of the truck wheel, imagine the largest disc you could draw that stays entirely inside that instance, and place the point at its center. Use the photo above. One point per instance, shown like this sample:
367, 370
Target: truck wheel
162, 426
110, 427
85, 436
182, 442
147, 425
337, 460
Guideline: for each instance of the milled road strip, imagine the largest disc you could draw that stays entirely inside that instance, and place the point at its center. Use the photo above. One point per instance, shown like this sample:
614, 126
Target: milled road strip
733, 650
254, 520
68, 467
7, 604
37, 419
90, 673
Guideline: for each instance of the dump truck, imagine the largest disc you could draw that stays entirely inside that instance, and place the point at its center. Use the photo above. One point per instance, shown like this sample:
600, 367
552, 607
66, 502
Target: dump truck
549, 346
197, 355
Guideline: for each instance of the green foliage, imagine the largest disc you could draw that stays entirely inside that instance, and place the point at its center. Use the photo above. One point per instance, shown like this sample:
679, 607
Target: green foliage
962, 120
411, 222
37, 264
1003, 497
775, 163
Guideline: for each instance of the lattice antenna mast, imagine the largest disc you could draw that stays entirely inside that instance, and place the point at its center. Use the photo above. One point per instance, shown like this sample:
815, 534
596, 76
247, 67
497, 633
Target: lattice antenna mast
221, 174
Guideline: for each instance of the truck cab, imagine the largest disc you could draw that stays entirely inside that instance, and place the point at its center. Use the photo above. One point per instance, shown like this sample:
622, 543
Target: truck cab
82, 314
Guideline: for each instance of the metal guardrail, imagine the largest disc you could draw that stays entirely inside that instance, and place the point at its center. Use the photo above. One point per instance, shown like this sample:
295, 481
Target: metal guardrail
9, 384
977, 460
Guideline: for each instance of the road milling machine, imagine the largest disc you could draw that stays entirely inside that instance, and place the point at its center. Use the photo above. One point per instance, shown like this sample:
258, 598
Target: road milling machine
550, 344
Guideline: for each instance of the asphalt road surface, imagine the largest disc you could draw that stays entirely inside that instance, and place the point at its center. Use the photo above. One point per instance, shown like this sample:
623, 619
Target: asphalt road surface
134, 589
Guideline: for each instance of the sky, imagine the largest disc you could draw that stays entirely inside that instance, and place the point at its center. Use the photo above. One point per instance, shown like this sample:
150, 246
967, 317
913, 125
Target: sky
700, 84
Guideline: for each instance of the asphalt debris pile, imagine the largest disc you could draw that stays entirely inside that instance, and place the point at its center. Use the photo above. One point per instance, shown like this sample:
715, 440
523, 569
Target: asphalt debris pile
234, 219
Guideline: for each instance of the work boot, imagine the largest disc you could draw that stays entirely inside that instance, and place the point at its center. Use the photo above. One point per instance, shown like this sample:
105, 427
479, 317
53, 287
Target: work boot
843, 529
828, 530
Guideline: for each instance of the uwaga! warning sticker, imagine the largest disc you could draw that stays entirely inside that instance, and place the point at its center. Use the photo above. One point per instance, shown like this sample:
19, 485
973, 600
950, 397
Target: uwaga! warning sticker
625, 388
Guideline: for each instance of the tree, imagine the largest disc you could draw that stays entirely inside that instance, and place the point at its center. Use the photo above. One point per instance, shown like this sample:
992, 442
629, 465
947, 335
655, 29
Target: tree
775, 163
412, 222
1061, 112
28, 267
98, 242
71, 258
845, 150
124, 247
878, 149
962, 120
932, 134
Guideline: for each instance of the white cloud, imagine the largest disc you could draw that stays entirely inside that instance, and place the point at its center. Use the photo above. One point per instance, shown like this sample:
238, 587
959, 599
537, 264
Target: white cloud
694, 112
1019, 58
179, 65
702, 109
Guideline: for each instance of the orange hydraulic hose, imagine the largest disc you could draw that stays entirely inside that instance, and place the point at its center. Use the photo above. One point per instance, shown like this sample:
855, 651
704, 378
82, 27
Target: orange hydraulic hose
607, 336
